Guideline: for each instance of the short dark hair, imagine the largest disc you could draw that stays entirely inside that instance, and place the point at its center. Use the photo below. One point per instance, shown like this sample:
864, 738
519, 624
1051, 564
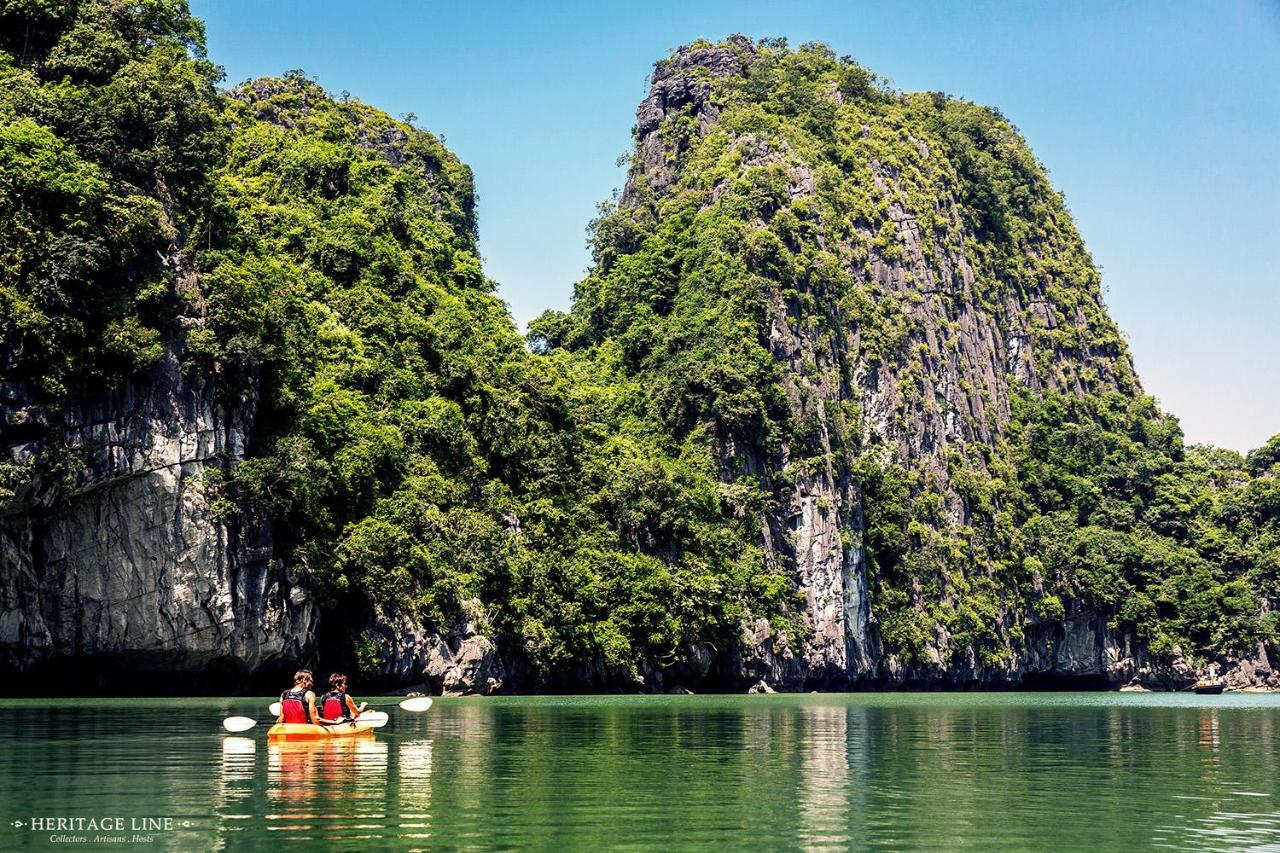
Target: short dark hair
301, 676
337, 681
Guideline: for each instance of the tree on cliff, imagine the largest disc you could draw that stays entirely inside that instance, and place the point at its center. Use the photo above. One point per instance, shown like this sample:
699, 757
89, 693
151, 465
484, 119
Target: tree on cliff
838, 402
108, 130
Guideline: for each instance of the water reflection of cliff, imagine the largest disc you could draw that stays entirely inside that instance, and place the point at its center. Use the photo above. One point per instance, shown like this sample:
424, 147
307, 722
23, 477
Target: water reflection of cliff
1030, 775
834, 783
780, 771
412, 803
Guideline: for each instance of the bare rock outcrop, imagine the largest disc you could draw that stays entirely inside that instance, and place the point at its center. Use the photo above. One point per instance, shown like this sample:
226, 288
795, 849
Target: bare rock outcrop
965, 343
123, 564
458, 661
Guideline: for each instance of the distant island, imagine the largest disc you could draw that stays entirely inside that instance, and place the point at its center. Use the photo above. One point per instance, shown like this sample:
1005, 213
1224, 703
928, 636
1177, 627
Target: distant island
838, 405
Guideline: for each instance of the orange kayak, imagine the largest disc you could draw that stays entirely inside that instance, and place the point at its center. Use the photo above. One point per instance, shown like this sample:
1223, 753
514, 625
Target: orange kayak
306, 731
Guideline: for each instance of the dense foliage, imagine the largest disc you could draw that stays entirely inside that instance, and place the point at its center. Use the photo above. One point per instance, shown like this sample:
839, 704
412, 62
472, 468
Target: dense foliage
416, 458
789, 210
1182, 544
597, 501
108, 128
1096, 501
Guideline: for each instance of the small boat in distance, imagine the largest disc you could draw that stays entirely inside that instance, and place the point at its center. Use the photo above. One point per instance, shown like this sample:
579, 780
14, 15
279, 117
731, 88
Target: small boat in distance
1211, 684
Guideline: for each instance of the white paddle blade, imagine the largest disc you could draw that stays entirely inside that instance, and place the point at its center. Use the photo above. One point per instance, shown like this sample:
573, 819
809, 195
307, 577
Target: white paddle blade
239, 724
274, 709
417, 704
374, 719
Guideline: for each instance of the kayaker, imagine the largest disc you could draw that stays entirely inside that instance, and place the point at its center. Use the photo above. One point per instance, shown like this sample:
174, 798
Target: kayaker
299, 704
337, 704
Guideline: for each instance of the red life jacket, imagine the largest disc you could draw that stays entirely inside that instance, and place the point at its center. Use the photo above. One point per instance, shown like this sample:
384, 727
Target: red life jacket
334, 705
293, 704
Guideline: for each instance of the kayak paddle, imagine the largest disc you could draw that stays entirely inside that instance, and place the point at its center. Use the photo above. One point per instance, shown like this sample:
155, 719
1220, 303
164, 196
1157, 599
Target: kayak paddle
375, 719
239, 724
369, 719
416, 705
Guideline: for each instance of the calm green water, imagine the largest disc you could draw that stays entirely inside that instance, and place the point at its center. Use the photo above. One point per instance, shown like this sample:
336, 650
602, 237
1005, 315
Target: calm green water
1109, 771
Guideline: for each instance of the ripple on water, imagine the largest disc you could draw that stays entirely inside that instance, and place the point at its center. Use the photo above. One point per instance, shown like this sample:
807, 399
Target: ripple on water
958, 771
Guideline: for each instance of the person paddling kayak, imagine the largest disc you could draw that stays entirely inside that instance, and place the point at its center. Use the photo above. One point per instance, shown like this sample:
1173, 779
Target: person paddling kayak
337, 704
299, 704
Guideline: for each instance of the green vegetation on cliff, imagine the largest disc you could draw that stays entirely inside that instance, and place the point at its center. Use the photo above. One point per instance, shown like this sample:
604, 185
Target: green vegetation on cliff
809, 276
416, 460
785, 206
108, 130
414, 455
1180, 543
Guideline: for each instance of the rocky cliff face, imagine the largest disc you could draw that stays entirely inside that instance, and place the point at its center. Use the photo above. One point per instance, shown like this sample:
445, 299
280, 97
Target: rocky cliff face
839, 405
123, 567
456, 661
129, 542
914, 272
123, 573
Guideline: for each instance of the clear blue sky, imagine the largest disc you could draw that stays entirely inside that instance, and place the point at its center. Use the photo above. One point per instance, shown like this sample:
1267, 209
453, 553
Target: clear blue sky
1159, 121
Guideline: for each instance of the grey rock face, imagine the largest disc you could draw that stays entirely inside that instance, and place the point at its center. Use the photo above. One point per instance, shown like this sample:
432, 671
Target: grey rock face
457, 662
675, 83
819, 531
129, 567
1255, 672
128, 564
1082, 645
948, 386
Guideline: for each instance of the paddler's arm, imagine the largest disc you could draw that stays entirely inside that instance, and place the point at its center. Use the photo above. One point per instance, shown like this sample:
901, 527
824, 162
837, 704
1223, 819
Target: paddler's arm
351, 707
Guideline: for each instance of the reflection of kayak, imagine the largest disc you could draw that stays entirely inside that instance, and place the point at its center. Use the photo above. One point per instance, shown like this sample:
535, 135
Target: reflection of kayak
307, 731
